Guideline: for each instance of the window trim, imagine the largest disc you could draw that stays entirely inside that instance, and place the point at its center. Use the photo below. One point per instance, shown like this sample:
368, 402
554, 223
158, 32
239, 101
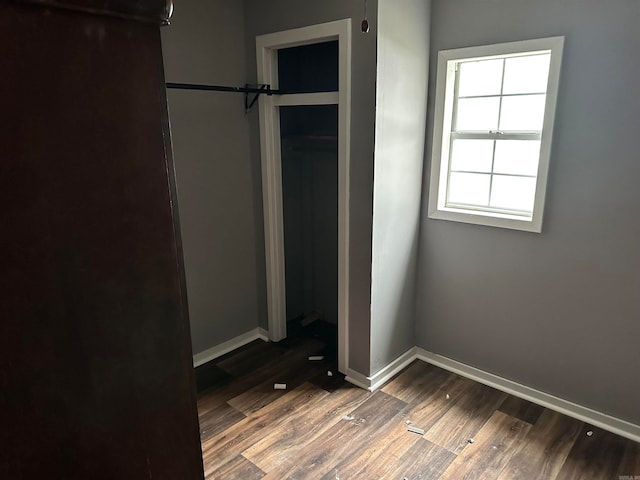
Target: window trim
443, 115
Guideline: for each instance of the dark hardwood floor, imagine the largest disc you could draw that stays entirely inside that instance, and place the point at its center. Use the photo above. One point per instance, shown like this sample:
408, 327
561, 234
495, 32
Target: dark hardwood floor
321, 427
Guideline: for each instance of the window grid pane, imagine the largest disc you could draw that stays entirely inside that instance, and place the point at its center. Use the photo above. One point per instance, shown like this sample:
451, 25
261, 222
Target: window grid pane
476, 108
469, 189
508, 185
481, 78
492, 192
522, 113
512, 174
478, 114
529, 73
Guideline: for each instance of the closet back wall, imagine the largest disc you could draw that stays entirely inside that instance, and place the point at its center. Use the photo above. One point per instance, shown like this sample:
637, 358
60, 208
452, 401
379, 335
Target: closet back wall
205, 44
310, 206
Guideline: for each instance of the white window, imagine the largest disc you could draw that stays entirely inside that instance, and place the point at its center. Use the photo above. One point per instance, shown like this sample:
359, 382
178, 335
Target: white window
492, 133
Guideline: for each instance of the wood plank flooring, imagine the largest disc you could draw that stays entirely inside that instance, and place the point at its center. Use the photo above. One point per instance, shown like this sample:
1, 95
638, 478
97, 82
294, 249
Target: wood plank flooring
321, 427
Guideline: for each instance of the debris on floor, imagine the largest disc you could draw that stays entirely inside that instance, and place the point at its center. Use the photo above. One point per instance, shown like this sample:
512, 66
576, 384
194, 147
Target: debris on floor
447, 397
279, 386
316, 357
408, 422
589, 433
348, 417
329, 373
417, 430
471, 440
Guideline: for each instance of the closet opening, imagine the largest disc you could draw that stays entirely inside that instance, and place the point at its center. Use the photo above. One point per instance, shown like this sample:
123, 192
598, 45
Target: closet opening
305, 142
309, 158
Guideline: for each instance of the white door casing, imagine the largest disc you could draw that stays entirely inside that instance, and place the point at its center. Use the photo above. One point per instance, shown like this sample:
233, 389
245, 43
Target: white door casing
266, 53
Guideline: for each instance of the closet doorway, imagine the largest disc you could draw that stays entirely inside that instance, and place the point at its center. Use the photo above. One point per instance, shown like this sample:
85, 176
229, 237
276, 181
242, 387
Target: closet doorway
304, 138
309, 159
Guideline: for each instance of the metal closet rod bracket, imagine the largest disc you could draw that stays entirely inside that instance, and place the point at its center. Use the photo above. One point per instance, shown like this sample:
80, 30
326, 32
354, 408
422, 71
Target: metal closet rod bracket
255, 90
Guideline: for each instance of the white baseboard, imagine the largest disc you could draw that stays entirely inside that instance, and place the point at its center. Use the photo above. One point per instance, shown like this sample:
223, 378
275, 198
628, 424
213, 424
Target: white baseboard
606, 422
230, 345
358, 379
379, 378
263, 334
587, 415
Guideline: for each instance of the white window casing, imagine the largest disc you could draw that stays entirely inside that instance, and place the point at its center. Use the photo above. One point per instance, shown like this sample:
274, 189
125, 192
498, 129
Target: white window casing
488, 126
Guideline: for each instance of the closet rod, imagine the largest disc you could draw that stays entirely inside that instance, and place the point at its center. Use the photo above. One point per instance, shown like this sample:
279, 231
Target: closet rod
220, 88
257, 91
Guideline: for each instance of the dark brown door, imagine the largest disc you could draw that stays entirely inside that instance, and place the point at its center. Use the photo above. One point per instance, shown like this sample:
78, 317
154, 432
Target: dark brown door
96, 377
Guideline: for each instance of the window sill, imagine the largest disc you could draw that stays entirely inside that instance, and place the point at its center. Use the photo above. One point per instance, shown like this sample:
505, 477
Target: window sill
489, 219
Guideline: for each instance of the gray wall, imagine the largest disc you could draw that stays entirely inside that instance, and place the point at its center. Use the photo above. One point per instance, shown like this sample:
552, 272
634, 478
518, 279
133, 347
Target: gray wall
403, 59
217, 202
558, 311
266, 16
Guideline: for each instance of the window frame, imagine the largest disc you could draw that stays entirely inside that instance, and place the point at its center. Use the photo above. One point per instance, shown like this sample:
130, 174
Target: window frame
443, 132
